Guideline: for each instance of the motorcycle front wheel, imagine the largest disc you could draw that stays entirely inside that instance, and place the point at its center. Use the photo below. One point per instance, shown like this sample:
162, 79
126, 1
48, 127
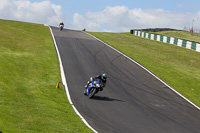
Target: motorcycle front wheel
92, 92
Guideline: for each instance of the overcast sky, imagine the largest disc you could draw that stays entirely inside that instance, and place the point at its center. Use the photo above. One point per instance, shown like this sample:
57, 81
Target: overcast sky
105, 15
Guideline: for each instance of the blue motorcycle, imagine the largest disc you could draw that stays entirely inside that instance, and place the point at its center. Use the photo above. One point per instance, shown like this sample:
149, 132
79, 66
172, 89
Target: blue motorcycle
92, 88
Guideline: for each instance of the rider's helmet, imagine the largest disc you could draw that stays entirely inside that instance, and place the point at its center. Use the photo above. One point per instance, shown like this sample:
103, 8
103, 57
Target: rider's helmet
103, 77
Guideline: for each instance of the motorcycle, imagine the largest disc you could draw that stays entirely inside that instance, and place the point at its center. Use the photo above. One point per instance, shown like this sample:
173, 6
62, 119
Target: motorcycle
92, 88
61, 27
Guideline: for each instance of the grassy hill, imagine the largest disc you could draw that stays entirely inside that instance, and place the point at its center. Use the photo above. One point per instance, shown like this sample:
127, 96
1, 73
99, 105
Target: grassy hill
29, 71
178, 67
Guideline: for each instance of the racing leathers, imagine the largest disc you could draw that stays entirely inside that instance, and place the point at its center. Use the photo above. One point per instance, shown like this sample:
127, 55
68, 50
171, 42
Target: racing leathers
102, 81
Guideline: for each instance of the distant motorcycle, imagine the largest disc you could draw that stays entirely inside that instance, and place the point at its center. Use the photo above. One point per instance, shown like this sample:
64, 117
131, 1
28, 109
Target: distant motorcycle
92, 88
61, 27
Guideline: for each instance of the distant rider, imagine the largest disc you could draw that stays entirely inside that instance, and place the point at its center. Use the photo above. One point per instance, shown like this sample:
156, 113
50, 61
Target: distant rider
61, 24
101, 79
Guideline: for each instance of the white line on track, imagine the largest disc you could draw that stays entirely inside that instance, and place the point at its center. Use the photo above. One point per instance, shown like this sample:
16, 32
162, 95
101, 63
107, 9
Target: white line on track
147, 71
65, 83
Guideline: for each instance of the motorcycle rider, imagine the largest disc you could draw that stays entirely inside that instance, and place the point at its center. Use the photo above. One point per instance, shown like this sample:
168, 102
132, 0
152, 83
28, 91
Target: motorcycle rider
61, 24
101, 79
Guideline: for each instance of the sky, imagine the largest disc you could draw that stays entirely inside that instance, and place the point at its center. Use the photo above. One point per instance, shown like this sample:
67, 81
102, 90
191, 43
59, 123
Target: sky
105, 15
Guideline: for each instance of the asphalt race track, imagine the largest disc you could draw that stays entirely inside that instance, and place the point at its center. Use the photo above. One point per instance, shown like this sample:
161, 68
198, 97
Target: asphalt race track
133, 101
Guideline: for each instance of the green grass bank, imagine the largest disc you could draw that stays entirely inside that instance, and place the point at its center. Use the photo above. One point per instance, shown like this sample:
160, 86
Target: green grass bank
178, 67
29, 71
181, 35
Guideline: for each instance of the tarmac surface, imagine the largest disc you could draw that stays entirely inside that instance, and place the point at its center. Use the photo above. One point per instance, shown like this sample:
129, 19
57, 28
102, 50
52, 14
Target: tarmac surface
133, 101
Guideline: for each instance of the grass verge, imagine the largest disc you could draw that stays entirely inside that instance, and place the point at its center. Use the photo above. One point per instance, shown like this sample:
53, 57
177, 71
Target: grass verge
29, 71
178, 67
181, 35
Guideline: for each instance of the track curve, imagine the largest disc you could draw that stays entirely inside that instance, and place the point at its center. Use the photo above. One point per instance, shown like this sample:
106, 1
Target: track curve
132, 101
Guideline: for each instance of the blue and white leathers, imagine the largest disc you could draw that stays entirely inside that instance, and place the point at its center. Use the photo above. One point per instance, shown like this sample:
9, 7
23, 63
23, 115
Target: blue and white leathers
93, 84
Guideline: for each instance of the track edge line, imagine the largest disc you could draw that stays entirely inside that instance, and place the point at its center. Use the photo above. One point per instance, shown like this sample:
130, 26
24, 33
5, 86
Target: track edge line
65, 83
